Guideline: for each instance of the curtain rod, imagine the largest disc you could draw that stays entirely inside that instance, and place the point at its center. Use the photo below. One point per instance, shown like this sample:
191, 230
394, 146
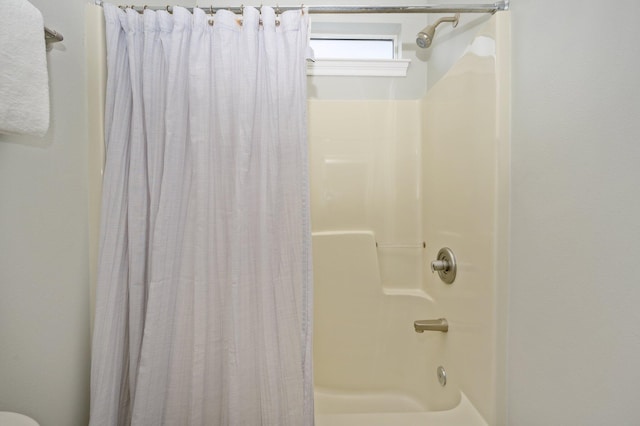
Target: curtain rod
451, 8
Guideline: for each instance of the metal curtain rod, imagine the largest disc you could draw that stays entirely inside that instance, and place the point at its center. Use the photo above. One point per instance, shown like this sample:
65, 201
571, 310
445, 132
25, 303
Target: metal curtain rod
449, 8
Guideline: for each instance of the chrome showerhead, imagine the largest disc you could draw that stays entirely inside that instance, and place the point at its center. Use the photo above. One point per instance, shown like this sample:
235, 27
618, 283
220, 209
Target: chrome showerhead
425, 37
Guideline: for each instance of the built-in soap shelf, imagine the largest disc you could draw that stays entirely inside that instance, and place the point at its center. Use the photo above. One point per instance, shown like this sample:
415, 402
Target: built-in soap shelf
400, 266
354, 262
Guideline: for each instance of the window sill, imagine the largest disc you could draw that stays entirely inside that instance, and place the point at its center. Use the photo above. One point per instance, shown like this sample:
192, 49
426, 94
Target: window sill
359, 67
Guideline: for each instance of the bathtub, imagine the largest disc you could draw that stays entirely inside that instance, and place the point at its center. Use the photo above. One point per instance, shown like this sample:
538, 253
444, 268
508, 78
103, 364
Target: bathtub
389, 410
370, 367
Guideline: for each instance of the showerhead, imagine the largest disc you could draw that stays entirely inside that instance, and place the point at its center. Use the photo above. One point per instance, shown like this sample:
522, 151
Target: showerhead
425, 37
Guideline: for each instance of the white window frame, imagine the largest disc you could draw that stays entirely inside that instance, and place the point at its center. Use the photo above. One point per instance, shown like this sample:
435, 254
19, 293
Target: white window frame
392, 67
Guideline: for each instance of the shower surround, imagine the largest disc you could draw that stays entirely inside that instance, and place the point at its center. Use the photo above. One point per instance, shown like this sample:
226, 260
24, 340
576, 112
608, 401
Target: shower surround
392, 182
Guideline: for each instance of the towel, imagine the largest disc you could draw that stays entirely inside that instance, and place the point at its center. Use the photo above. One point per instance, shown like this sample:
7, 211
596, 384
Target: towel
24, 82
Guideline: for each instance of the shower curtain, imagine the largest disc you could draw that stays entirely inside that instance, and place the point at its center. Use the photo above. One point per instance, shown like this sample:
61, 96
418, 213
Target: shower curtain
203, 310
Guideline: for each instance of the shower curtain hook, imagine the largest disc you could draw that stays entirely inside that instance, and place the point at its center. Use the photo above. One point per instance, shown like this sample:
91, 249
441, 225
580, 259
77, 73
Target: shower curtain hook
211, 15
277, 15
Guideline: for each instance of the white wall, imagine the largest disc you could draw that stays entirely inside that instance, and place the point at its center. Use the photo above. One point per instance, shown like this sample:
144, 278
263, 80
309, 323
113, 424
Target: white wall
574, 344
44, 291
574, 294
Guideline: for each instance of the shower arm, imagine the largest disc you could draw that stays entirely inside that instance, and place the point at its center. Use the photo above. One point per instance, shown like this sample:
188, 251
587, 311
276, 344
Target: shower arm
454, 19
425, 37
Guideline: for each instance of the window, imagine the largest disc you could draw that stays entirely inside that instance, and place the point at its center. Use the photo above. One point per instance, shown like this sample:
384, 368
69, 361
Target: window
356, 49
353, 47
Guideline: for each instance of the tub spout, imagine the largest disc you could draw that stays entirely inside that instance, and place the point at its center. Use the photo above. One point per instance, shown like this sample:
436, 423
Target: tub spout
439, 324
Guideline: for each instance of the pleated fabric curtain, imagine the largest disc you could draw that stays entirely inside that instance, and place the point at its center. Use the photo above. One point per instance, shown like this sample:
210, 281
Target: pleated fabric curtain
204, 298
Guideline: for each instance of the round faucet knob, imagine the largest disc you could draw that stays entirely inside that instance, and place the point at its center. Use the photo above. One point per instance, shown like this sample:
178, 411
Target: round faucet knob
445, 264
439, 265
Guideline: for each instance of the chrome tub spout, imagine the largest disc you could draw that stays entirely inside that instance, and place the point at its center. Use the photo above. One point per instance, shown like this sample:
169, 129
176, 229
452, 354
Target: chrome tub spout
439, 324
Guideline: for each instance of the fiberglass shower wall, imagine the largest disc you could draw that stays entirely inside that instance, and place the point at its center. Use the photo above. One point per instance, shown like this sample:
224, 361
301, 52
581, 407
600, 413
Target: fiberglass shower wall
465, 187
386, 177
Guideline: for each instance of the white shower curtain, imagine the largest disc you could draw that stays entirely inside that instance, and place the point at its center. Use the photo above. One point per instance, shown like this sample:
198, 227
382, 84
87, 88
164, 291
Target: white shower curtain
203, 311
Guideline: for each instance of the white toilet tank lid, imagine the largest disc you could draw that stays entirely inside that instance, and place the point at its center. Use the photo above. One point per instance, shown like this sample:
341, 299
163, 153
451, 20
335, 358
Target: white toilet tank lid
14, 419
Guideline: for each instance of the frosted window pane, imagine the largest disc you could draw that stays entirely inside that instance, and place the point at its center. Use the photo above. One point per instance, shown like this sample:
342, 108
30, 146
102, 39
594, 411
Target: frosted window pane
352, 49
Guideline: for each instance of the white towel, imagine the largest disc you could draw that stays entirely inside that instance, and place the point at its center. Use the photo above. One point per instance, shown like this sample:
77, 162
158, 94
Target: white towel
24, 82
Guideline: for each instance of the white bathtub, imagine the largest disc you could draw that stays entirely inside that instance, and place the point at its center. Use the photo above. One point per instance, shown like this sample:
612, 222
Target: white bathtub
389, 410
371, 368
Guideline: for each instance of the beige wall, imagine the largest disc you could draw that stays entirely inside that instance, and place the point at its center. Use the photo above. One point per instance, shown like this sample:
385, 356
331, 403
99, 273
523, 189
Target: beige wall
465, 198
44, 293
403, 173
365, 189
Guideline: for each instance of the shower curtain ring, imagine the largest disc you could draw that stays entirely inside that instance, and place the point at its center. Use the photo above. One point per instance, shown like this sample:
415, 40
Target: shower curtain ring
240, 20
277, 15
211, 15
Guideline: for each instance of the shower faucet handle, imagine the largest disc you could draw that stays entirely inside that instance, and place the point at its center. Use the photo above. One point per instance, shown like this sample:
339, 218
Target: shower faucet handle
445, 264
439, 265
